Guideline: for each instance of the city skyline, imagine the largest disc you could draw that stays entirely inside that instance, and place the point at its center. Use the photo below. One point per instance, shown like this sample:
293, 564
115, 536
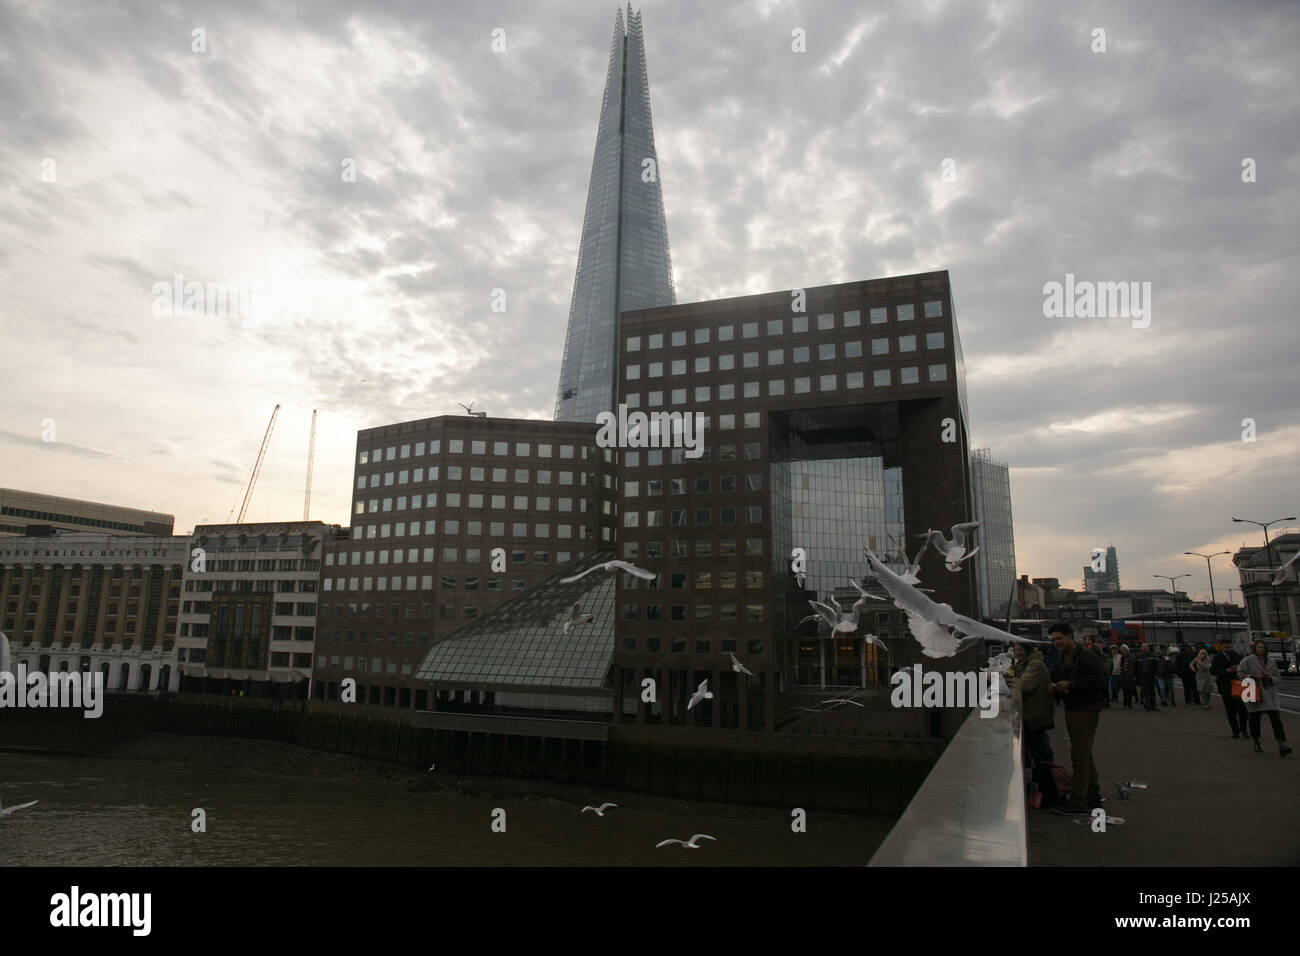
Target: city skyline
1108, 440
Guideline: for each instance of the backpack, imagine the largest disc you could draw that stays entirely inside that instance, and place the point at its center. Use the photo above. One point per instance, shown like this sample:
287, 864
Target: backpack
1053, 782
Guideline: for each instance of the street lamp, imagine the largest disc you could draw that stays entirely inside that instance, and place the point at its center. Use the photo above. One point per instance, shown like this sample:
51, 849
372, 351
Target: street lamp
1173, 588
1210, 570
1268, 554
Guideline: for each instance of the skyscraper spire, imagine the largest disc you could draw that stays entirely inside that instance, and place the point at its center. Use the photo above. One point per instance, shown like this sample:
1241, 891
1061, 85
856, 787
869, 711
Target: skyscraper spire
623, 261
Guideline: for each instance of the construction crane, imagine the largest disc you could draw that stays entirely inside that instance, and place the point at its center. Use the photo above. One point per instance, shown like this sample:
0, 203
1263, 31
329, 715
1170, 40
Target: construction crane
311, 464
257, 467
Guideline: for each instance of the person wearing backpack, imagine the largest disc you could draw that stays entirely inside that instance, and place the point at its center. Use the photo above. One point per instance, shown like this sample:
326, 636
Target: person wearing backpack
1081, 683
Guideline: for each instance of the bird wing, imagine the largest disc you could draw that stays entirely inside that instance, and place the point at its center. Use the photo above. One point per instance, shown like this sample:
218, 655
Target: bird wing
733, 658
582, 575
666, 842
701, 836
577, 609
825, 612
632, 569
703, 688
21, 806
585, 809
973, 628
606, 806
964, 528
905, 596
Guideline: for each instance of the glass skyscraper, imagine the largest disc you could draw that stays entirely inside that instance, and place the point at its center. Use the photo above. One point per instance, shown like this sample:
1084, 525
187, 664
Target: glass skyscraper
996, 560
623, 261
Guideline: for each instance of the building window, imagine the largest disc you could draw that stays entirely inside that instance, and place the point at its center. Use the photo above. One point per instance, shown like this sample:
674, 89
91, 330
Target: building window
906, 313
880, 377
934, 310
907, 343
908, 375
934, 340
938, 373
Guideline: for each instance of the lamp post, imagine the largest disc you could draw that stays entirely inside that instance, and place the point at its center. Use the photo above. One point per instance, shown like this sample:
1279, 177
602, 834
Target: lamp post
1173, 587
1268, 555
1210, 570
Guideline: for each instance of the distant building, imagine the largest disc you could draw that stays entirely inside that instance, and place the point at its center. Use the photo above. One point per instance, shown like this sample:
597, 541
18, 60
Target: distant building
78, 602
1107, 580
248, 622
991, 489
24, 510
1270, 608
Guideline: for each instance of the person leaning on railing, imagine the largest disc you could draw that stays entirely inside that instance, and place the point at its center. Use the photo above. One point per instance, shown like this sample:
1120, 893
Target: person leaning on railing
1037, 709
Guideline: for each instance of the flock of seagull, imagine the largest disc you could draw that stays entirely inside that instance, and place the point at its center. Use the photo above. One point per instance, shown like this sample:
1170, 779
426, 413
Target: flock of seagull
690, 844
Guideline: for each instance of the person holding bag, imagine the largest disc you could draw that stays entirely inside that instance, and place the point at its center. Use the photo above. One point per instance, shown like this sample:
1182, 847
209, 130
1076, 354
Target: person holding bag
1264, 672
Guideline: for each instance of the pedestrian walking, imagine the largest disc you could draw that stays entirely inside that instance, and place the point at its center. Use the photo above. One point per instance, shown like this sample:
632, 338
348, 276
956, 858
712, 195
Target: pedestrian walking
1147, 666
1203, 672
1116, 662
1265, 674
1165, 678
1224, 668
1185, 657
1081, 683
1128, 678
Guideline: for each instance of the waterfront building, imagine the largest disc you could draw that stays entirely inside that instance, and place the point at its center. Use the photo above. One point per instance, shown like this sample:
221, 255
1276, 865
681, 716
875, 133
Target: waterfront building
991, 488
432, 501
248, 619
623, 260
834, 417
29, 512
82, 602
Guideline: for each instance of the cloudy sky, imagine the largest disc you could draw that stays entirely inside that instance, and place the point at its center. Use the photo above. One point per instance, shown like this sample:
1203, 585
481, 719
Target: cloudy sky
127, 157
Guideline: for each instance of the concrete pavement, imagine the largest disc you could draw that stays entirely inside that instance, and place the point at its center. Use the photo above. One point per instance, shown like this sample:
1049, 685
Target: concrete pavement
1212, 801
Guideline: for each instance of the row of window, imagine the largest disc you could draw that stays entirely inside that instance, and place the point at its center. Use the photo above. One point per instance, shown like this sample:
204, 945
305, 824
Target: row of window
69, 519
456, 446
702, 645
753, 514
473, 529
680, 548
206, 584
454, 499
376, 664
908, 375
798, 354
478, 473
799, 323
703, 612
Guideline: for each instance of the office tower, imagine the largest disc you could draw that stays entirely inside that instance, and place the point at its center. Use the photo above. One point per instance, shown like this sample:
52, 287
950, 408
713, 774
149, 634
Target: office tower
1106, 579
991, 486
829, 429
623, 260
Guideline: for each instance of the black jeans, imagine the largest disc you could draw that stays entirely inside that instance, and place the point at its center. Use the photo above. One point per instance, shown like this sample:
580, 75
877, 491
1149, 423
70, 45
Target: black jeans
1274, 717
1149, 693
1233, 707
1128, 695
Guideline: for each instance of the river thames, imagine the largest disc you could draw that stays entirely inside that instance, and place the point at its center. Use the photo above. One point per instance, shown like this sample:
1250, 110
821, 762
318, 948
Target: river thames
116, 811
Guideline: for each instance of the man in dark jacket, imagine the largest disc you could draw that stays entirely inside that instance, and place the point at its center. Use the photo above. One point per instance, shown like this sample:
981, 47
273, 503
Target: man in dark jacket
1224, 668
1081, 683
1036, 710
1147, 665
1185, 658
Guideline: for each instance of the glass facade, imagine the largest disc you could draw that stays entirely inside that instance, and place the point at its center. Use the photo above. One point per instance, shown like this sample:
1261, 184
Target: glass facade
523, 643
623, 261
996, 560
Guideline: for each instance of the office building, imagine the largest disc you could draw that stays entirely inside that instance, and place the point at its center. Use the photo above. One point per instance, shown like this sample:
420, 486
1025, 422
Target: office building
1107, 579
26, 512
248, 619
623, 261
1269, 607
79, 602
451, 516
828, 429
991, 487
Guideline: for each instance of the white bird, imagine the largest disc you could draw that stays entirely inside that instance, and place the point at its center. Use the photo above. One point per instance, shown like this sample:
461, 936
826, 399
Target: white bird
701, 693
576, 617
953, 549
469, 410
912, 572
600, 810
689, 844
9, 811
863, 594
614, 566
431, 766
937, 627
841, 700
738, 667
1290, 571
836, 618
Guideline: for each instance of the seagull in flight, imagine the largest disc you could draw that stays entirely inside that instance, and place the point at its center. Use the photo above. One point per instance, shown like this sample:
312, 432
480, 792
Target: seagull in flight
839, 620
953, 549
688, 844
940, 630
738, 667
600, 810
614, 566
1290, 571
701, 693
863, 594
576, 617
9, 811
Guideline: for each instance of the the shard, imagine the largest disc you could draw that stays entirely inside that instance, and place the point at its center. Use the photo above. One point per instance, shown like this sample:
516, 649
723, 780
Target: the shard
623, 261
